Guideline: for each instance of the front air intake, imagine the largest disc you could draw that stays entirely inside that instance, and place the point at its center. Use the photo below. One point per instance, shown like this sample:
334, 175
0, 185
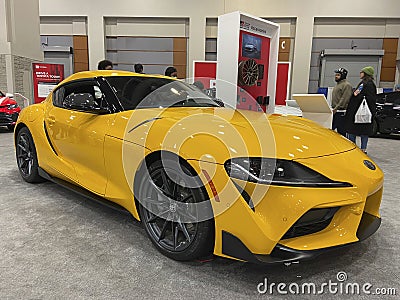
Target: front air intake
312, 221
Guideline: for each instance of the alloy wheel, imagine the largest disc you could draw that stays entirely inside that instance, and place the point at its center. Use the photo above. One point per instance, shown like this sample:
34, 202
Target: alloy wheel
25, 155
168, 215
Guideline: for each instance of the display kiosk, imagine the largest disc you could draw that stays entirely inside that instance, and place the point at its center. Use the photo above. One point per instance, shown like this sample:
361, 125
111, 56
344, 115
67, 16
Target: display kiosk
247, 61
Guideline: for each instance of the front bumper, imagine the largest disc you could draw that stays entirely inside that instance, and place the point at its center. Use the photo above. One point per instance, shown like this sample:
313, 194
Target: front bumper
8, 119
276, 219
233, 246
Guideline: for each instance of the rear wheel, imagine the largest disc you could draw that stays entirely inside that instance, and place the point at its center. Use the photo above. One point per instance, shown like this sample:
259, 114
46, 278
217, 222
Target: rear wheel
26, 157
168, 195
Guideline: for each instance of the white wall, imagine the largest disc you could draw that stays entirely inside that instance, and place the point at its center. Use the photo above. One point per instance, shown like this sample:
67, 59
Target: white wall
195, 11
198, 11
4, 34
148, 27
356, 27
19, 28
25, 39
305, 12
63, 26
19, 43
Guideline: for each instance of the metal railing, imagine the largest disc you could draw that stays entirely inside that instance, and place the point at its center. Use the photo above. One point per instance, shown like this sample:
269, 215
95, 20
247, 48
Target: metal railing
26, 102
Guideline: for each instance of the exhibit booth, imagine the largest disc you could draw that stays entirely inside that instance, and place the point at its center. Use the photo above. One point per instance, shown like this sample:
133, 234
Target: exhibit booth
247, 61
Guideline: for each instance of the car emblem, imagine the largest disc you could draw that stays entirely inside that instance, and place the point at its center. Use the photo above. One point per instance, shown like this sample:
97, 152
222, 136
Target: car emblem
369, 165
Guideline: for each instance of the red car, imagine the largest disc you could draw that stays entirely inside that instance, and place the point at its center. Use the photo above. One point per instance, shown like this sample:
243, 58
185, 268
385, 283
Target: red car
9, 111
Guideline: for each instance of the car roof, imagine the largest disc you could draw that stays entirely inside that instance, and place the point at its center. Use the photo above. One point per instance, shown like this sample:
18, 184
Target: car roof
109, 73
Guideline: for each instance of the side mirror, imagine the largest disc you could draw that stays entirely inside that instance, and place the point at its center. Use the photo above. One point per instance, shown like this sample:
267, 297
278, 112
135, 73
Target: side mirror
83, 102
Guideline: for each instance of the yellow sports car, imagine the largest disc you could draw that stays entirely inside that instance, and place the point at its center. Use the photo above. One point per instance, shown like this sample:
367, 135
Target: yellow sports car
202, 178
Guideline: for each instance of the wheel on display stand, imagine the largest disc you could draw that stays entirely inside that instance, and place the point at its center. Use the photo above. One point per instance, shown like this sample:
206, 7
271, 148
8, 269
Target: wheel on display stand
248, 72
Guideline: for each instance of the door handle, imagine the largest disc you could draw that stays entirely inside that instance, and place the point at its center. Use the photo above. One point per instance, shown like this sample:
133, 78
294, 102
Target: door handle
51, 120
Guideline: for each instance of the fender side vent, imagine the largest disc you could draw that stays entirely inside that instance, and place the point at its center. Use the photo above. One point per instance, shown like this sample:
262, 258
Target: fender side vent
48, 139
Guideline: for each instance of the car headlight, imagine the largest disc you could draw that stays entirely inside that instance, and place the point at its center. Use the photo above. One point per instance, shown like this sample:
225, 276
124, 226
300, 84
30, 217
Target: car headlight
277, 172
12, 106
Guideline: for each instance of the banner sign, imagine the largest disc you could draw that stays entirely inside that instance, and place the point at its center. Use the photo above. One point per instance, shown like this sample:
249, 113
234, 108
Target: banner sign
45, 79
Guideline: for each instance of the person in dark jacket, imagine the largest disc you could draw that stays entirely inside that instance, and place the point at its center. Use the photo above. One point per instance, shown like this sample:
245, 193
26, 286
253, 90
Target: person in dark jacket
366, 88
171, 72
138, 68
105, 65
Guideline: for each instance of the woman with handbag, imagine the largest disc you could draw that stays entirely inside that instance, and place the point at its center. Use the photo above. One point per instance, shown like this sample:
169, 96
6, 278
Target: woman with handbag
357, 125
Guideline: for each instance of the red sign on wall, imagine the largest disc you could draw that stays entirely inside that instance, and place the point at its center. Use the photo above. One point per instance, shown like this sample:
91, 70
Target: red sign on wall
45, 79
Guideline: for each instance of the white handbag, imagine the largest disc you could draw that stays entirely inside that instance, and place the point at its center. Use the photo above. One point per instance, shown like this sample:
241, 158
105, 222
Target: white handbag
363, 114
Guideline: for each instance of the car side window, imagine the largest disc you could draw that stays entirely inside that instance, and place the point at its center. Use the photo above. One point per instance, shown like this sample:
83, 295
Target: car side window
81, 87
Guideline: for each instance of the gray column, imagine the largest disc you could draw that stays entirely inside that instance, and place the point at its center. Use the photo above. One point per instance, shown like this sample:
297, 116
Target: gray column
302, 54
96, 40
197, 41
19, 45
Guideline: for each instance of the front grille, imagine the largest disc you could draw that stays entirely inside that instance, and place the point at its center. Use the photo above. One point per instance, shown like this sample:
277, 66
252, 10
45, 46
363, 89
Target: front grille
6, 118
312, 221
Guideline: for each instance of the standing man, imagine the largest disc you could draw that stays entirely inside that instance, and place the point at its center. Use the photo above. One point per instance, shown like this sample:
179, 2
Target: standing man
138, 68
171, 72
105, 65
341, 95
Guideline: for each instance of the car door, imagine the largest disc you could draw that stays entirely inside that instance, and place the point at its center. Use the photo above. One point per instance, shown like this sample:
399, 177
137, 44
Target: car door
396, 114
391, 110
78, 135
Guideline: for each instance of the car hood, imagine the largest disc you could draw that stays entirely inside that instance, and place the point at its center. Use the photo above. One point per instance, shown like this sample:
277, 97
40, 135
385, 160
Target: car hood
217, 134
5, 102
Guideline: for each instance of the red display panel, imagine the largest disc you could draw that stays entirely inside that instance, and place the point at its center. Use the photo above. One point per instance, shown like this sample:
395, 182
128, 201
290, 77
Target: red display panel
282, 81
257, 47
205, 71
45, 79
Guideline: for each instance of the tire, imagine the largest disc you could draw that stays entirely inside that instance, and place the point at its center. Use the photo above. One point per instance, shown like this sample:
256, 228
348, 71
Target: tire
168, 211
27, 161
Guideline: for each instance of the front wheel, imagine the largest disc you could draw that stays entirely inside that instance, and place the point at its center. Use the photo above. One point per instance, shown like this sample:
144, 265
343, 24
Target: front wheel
172, 205
26, 157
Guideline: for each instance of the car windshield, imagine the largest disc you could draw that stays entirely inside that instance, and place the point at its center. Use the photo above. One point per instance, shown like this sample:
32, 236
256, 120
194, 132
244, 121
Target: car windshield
150, 92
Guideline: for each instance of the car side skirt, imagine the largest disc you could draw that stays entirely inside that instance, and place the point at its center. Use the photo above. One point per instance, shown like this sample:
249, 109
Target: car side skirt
83, 192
